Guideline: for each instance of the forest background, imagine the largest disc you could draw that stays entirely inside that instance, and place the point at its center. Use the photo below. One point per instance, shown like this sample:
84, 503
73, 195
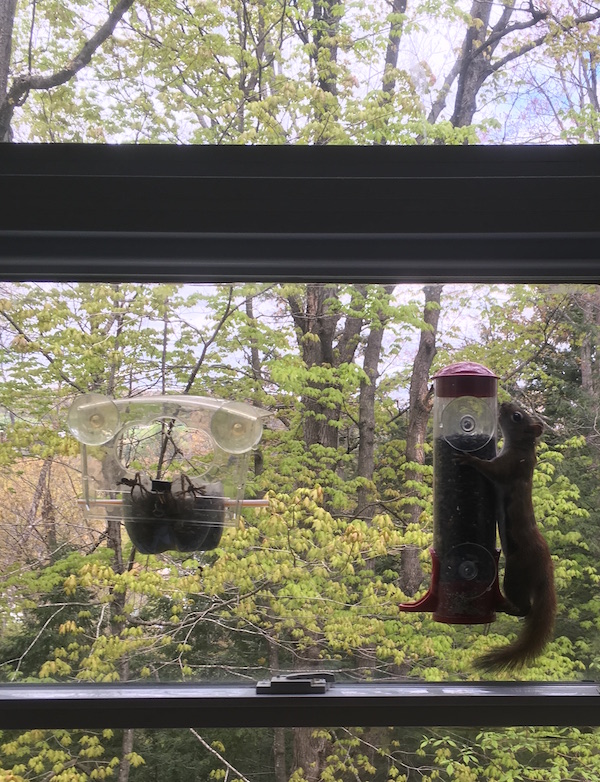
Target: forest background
345, 370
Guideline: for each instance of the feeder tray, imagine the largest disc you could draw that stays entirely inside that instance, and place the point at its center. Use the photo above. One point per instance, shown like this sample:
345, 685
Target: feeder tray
172, 468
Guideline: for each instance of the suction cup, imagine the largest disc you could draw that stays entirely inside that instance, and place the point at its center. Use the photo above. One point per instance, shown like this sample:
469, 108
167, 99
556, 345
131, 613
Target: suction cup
93, 419
468, 423
235, 433
470, 562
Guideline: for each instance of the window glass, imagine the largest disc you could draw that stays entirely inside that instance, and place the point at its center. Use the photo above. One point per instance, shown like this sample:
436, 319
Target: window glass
133, 547
357, 486
283, 754
320, 72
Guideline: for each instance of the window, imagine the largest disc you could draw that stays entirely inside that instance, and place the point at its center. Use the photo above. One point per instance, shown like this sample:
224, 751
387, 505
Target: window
179, 268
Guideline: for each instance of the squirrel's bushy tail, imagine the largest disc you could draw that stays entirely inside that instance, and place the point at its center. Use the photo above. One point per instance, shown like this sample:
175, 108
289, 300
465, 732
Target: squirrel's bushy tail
537, 631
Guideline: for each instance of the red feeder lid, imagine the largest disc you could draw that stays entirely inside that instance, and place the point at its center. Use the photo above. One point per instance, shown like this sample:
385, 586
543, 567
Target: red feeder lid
466, 378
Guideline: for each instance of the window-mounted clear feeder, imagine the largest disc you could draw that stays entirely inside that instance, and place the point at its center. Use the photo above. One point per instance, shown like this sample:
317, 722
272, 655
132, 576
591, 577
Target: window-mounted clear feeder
172, 468
464, 581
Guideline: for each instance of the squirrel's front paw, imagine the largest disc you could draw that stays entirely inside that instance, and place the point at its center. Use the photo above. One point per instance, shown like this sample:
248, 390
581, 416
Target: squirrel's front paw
463, 458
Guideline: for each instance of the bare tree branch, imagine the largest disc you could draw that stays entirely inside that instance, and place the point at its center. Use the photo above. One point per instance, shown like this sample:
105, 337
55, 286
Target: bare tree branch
44, 353
469, 59
33, 643
214, 752
527, 47
440, 102
24, 83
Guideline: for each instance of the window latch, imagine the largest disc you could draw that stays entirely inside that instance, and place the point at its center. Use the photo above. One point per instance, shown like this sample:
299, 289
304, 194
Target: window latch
303, 682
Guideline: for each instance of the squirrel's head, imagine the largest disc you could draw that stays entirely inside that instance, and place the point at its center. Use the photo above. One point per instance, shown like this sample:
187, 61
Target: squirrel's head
518, 425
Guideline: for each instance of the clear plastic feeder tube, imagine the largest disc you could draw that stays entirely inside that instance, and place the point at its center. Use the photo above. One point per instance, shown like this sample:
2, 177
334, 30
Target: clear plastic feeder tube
464, 501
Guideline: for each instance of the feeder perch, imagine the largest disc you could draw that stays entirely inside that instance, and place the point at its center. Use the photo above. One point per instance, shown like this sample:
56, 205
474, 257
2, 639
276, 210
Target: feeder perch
464, 581
172, 468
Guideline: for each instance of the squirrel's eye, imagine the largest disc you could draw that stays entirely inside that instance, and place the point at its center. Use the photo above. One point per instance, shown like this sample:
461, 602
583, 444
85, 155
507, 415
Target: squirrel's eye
516, 416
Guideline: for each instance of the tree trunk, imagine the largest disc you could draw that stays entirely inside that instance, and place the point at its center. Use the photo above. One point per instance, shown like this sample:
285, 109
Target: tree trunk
126, 750
420, 403
316, 323
317, 318
393, 47
278, 733
475, 68
257, 374
589, 302
310, 752
366, 423
590, 306
38, 497
388, 82
49, 519
326, 25
114, 542
279, 755
7, 18
476, 63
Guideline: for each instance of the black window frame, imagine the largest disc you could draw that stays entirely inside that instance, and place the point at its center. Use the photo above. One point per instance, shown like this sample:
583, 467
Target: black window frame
232, 214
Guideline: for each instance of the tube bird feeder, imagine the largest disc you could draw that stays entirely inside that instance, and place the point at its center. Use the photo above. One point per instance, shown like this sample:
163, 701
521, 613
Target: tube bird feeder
464, 581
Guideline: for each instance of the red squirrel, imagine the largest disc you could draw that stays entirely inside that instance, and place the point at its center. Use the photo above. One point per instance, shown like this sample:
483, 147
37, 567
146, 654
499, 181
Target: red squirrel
529, 573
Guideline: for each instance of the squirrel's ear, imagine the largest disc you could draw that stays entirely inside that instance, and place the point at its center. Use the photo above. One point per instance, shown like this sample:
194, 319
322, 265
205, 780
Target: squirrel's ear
536, 429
